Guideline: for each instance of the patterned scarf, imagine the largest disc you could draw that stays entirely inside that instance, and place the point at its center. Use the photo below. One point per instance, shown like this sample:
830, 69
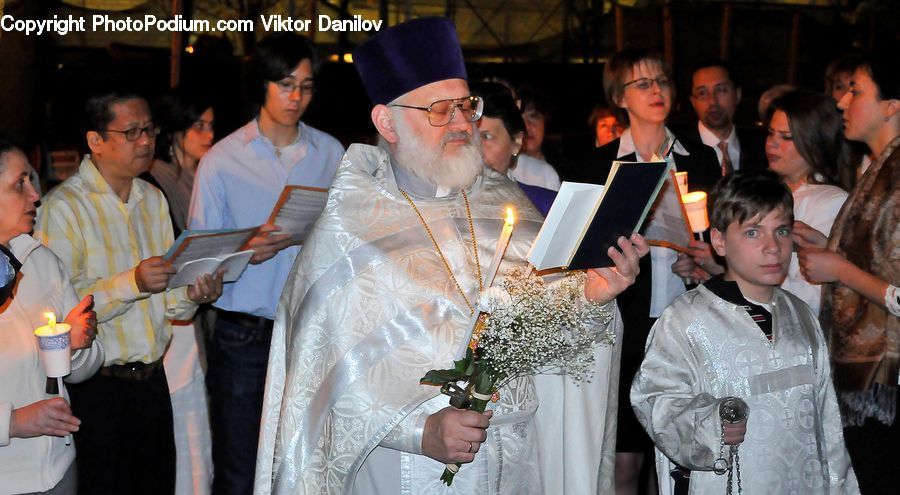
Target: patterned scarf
863, 337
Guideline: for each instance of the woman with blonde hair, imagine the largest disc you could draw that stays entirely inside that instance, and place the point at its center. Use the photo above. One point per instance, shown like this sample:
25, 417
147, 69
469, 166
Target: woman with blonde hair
639, 87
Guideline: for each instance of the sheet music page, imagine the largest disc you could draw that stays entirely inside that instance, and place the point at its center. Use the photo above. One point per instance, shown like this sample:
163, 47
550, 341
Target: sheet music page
193, 245
667, 224
233, 264
297, 210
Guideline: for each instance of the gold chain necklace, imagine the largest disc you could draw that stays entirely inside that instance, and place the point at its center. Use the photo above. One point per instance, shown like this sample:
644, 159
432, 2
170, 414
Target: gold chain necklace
441, 253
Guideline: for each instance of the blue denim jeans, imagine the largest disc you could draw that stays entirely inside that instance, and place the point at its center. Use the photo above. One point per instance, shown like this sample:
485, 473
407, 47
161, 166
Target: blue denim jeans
236, 378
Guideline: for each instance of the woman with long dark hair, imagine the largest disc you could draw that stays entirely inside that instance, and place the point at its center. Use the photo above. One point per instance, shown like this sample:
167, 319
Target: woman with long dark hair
186, 122
806, 148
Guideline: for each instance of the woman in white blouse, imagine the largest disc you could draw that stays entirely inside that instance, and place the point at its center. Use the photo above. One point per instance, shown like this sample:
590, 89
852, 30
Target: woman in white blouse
34, 456
806, 147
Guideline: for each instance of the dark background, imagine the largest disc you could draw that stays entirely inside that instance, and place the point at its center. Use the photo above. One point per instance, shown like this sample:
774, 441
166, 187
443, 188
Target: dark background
43, 84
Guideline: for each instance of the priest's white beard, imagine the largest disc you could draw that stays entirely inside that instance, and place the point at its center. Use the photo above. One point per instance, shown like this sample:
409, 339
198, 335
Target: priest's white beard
452, 172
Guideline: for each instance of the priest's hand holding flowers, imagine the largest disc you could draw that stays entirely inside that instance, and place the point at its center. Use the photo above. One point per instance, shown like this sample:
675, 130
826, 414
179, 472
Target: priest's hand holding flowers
525, 327
454, 435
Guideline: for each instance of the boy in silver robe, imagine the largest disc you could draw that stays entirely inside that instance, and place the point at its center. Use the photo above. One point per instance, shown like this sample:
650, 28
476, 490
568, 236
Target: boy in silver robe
741, 336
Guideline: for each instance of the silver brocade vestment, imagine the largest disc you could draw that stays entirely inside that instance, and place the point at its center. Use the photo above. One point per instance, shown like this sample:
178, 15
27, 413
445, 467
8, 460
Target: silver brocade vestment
369, 309
703, 349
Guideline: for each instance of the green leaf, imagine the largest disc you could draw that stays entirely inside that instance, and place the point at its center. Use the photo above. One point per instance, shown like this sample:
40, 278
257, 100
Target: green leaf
462, 369
440, 377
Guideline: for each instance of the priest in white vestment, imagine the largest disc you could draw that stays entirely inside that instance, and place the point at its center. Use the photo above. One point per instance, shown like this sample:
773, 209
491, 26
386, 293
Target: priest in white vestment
383, 291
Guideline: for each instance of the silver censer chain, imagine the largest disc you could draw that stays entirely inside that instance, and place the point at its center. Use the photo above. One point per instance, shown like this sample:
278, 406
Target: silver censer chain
732, 410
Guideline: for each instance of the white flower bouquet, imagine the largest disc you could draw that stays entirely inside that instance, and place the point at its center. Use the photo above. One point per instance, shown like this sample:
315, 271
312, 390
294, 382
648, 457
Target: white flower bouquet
525, 327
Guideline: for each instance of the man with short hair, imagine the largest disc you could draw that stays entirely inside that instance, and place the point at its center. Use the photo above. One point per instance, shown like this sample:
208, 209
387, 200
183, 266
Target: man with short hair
237, 184
110, 229
384, 291
715, 96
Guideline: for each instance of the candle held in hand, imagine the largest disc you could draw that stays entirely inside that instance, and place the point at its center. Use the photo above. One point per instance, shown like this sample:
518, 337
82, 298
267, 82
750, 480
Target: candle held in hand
695, 207
502, 243
55, 346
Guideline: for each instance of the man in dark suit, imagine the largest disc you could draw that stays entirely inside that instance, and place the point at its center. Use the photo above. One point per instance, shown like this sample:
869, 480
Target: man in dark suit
715, 96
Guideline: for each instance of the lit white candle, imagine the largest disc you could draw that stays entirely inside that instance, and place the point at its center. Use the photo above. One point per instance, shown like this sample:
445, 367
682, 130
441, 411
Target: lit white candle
54, 345
695, 207
502, 243
681, 180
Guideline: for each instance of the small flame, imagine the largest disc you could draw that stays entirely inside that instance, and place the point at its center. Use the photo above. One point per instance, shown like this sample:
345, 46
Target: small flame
510, 216
693, 197
51, 320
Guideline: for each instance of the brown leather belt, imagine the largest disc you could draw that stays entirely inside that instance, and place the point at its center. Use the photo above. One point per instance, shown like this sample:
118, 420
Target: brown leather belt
137, 370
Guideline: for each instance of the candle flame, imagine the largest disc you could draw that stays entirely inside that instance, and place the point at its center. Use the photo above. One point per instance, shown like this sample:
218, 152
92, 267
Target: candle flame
51, 320
693, 197
510, 216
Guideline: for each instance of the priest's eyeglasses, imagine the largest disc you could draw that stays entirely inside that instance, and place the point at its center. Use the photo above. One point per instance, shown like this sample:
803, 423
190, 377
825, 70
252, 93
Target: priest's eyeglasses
134, 133
441, 112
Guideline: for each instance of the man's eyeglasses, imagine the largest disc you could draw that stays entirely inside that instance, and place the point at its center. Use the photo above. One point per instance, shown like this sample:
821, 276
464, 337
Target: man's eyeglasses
288, 86
441, 112
134, 133
703, 94
646, 83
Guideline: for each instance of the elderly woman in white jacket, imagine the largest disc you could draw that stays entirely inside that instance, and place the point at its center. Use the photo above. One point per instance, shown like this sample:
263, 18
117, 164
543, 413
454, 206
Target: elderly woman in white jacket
34, 456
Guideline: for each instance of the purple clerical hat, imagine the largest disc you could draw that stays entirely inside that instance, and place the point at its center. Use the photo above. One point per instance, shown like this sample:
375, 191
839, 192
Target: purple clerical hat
409, 56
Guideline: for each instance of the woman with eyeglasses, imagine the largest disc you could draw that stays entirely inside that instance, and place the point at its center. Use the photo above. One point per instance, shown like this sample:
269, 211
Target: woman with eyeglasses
859, 266
34, 456
185, 120
638, 86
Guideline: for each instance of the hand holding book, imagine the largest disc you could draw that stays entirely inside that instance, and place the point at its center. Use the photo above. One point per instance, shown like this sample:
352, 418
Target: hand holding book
604, 284
267, 242
586, 220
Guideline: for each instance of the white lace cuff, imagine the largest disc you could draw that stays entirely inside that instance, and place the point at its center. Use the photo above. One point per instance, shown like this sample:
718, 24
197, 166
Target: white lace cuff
892, 299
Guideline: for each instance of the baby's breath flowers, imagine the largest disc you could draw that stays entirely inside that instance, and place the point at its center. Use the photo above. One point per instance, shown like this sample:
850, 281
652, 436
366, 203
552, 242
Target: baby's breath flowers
526, 327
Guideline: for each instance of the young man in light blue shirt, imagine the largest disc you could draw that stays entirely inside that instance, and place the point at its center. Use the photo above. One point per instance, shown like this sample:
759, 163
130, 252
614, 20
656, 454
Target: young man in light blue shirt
237, 184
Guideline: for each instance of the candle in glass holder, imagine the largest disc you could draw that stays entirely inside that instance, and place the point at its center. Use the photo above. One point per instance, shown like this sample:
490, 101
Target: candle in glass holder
56, 354
55, 348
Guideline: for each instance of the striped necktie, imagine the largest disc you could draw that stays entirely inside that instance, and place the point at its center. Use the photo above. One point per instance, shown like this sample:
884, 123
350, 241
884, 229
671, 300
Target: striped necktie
727, 167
